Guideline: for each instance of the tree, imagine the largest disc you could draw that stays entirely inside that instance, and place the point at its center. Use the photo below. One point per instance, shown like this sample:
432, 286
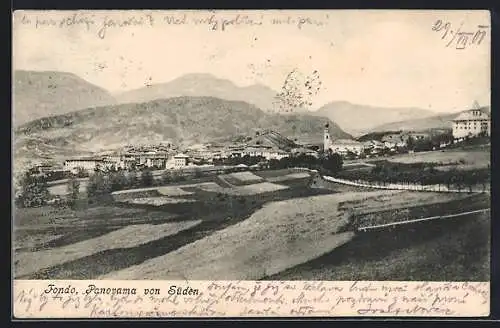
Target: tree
332, 163
132, 179
450, 178
147, 178
73, 189
166, 177
197, 172
98, 185
410, 143
118, 180
458, 180
34, 190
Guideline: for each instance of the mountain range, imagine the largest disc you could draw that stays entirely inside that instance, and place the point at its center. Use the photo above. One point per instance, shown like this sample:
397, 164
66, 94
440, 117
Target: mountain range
58, 113
441, 121
179, 120
65, 92
39, 94
359, 119
202, 85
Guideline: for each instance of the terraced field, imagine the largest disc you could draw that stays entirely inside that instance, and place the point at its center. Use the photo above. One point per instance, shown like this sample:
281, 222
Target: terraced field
127, 237
246, 225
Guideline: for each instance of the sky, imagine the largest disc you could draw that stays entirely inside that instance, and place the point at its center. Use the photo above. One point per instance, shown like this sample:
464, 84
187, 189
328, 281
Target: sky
379, 58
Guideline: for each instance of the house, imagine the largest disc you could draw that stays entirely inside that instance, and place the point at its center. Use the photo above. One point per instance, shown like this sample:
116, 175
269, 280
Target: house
389, 145
87, 164
345, 146
400, 139
418, 136
473, 122
395, 138
181, 160
341, 146
373, 145
265, 151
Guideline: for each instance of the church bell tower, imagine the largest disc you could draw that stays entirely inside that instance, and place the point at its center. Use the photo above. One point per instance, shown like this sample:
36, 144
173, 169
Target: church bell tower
326, 138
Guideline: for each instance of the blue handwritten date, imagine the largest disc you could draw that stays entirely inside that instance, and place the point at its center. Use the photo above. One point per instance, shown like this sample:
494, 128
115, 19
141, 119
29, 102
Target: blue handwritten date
457, 38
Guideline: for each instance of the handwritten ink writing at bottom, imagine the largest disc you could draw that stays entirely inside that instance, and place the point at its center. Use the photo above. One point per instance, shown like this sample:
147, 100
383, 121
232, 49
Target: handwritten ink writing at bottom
246, 298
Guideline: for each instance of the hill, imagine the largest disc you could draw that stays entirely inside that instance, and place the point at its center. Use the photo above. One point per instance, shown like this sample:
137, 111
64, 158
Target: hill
44, 93
358, 119
434, 122
180, 120
375, 135
442, 121
273, 139
206, 85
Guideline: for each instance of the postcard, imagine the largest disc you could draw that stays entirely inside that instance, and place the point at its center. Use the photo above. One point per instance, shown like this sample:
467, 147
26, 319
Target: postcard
251, 163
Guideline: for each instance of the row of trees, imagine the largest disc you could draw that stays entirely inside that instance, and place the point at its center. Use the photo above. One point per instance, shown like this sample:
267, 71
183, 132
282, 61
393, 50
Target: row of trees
421, 173
247, 160
33, 191
327, 162
33, 188
101, 183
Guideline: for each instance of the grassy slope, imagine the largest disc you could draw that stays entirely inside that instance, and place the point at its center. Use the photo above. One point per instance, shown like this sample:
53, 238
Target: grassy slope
463, 159
127, 237
454, 250
218, 213
302, 229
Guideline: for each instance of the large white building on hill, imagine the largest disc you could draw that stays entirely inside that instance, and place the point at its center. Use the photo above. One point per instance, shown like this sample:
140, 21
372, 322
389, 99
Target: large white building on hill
473, 122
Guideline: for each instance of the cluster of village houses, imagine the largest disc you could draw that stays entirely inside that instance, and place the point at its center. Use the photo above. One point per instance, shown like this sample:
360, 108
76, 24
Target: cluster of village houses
469, 123
166, 160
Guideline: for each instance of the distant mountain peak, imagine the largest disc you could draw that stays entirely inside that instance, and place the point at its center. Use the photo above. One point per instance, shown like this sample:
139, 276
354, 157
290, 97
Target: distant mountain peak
198, 76
359, 119
202, 84
436, 121
44, 93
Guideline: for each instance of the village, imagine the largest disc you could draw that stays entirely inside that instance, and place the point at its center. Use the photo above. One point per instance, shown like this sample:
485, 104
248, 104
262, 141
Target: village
316, 151
270, 145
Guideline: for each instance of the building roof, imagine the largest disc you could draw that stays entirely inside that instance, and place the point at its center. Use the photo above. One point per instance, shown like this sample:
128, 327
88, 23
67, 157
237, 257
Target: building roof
84, 159
181, 156
255, 149
373, 143
348, 142
468, 114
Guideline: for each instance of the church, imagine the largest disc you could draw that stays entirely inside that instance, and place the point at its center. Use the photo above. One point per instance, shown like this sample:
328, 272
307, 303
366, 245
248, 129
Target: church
341, 146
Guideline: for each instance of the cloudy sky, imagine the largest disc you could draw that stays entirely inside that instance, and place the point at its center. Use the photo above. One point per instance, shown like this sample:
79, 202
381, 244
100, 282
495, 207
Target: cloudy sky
379, 58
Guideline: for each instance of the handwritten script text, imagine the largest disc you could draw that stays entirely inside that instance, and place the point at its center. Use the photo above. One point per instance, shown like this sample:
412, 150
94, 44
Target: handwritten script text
34, 299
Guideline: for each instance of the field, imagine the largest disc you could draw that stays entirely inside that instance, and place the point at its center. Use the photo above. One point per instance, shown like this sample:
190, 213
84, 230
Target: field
453, 250
460, 159
240, 178
246, 190
302, 229
127, 237
62, 189
271, 226
157, 201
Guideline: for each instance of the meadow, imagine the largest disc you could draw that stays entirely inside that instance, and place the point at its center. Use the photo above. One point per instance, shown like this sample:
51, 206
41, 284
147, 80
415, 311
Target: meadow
447, 159
252, 226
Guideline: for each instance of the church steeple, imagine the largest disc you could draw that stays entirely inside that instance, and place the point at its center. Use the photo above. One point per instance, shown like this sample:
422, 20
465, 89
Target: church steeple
326, 138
